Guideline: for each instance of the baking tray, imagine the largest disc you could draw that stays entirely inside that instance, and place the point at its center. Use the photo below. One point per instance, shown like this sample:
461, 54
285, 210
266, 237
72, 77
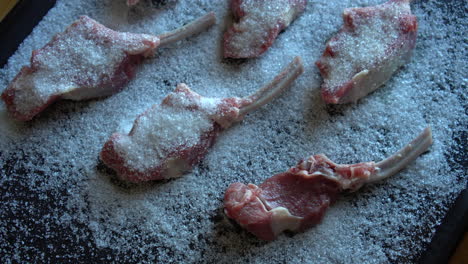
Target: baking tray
61, 246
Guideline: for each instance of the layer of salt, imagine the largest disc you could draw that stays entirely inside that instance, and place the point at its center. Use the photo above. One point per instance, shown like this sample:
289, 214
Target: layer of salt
79, 63
369, 44
164, 129
255, 28
59, 204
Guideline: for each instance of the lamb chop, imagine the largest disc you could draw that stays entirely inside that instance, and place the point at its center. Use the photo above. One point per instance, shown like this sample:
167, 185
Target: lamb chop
297, 199
169, 139
372, 44
86, 61
258, 23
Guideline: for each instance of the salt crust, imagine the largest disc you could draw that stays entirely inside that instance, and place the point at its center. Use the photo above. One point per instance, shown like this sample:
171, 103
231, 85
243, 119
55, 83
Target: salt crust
164, 128
77, 61
366, 46
59, 204
262, 18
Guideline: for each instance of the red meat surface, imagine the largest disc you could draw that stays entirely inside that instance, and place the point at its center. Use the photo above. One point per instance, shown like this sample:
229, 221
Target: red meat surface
372, 44
297, 199
257, 24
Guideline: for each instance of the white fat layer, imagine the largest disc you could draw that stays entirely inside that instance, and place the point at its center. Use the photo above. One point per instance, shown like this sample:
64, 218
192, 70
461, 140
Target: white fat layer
175, 167
282, 220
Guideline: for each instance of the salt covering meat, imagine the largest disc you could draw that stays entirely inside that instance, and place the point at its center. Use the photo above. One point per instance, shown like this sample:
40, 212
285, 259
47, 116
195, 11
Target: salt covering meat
168, 139
373, 43
60, 204
297, 199
257, 24
86, 61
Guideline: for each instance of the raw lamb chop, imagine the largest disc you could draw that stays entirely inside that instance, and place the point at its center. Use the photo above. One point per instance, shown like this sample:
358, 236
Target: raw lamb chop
258, 24
86, 61
297, 199
170, 138
373, 43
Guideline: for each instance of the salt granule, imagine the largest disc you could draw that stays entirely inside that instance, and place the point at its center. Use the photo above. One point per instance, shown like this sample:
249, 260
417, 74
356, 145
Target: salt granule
61, 204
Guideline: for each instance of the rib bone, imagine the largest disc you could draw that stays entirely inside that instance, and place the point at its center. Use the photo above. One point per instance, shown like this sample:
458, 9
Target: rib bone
403, 157
190, 29
275, 87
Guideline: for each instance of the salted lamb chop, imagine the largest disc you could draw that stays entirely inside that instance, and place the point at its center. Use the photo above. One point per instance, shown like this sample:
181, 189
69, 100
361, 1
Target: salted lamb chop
372, 44
257, 24
169, 139
297, 199
86, 61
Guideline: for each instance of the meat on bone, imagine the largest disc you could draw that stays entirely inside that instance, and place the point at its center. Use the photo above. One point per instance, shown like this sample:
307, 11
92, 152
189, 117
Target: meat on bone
85, 61
257, 24
372, 44
170, 138
297, 199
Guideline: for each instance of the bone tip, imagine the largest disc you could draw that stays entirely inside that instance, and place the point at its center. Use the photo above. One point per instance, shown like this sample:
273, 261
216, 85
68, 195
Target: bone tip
297, 62
428, 134
211, 17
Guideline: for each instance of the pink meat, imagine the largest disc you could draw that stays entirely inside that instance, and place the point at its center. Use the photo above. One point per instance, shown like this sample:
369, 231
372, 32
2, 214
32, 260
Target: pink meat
168, 139
297, 199
85, 61
257, 24
372, 44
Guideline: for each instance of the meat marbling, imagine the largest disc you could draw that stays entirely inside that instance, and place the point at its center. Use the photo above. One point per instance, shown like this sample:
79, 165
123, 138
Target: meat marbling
257, 24
372, 44
170, 138
85, 61
297, 199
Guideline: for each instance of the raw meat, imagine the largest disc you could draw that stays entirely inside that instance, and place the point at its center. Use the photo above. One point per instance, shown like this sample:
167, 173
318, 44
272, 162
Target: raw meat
86, 61
258, 23
297, 199
170, 138
373, 43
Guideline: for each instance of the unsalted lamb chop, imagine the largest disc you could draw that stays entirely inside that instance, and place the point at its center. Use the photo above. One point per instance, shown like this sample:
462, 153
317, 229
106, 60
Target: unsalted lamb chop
373, 43
86, 61
170, 138
297, 199
257, 24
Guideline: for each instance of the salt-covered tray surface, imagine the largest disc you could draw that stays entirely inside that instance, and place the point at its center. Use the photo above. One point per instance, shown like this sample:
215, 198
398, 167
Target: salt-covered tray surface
59, 203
